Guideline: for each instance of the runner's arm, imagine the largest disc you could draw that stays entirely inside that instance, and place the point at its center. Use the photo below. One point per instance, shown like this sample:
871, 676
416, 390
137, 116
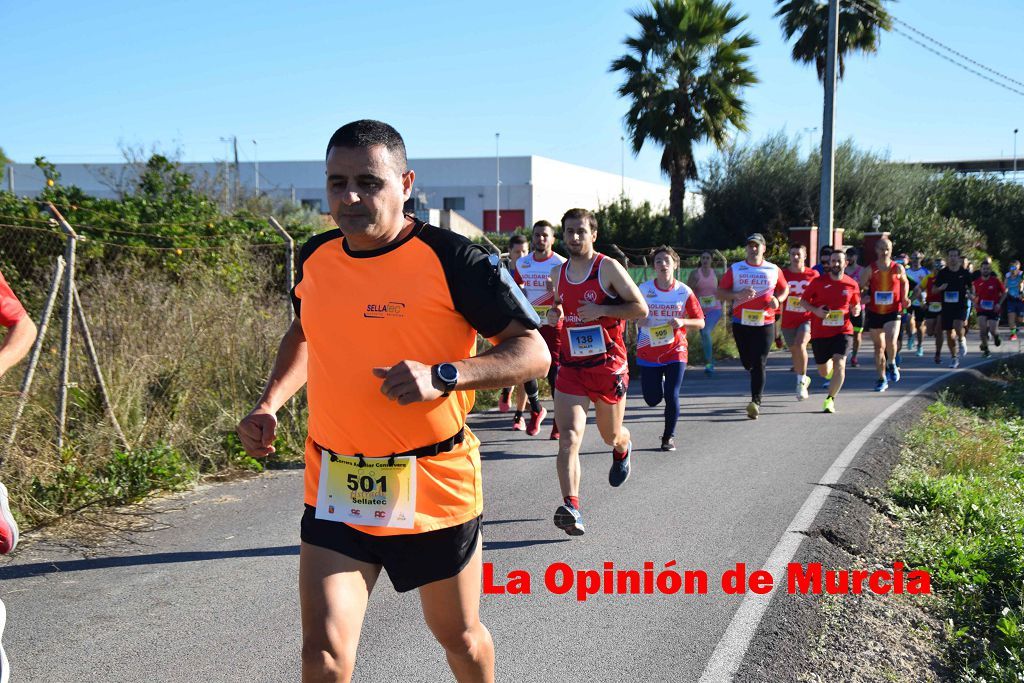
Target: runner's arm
258, 429
17, 343
519, 354
615, 277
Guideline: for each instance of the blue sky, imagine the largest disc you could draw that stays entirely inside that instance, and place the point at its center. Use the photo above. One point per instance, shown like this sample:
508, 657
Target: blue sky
82, 79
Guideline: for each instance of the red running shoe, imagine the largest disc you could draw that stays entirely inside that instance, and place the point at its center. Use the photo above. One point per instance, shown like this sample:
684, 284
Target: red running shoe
535, 419
8, 527
518, 425
554, 432
503, 404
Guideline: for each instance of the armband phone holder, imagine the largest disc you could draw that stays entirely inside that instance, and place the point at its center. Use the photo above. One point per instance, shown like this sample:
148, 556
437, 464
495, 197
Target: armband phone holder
511, 292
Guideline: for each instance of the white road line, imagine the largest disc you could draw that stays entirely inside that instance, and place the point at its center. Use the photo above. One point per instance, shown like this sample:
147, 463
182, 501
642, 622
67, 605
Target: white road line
732, 648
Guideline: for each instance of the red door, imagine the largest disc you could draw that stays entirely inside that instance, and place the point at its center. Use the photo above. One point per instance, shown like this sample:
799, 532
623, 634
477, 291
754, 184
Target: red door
510, 220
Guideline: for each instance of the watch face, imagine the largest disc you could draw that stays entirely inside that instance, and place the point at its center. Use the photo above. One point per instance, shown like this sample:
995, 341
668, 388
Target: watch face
447, 372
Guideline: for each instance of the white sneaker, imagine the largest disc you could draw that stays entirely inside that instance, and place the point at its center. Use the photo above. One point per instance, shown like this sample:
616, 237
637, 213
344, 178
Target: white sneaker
5, 668
803, 382
963, 349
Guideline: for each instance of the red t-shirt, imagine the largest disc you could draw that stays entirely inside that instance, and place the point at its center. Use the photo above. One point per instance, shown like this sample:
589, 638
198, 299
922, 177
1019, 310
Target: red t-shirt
988, 290
11, 310
837, 296
793, 314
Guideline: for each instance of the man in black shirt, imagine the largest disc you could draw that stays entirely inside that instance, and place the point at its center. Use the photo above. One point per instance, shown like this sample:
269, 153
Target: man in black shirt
955, 282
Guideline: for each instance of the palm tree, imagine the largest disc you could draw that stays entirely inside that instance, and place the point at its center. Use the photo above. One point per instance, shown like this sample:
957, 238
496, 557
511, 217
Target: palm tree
685, 74
861, 23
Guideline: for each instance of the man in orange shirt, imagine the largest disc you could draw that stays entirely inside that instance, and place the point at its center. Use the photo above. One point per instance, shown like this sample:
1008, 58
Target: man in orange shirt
392, 472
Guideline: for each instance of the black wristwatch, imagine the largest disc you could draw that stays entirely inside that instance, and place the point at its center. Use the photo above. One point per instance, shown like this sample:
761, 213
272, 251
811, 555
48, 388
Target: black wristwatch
448, 374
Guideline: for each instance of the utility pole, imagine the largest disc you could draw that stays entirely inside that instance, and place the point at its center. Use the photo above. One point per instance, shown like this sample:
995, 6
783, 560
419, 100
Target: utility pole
10, 178
238, 174
256, 167
497, 186
828, 145
1015, 160
227, 175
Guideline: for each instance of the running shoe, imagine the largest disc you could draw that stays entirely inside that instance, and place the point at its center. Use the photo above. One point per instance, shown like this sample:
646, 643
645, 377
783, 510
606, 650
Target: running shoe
503, 404
569, 520
881, 385
1013, 336
853, 361
803, 383
899, 359
533, 429
910, 345
709, 369
830, 405
753, 410
955, 363
920, 351
554, 432
985, 353
997, 340
619, 472
518, 424
896, 372
938, 360
779, 343
8, 527
668, 443
963, 349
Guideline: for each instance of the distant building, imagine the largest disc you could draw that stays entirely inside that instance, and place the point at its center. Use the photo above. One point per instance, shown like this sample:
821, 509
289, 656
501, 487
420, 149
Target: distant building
532, 187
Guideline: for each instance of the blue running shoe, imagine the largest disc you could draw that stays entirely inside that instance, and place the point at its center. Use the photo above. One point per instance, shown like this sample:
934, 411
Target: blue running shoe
569, 520
881, 385
619, 472
896, 372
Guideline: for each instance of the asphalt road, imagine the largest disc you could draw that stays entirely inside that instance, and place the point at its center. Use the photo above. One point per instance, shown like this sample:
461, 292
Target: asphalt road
209, 592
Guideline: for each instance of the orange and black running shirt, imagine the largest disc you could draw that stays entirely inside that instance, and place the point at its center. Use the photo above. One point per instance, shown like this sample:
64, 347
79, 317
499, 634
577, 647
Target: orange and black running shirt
423, 298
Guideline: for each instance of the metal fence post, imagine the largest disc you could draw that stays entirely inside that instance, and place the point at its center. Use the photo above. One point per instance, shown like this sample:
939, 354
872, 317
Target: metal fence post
67, 311
289, 268
33, 358
94, 360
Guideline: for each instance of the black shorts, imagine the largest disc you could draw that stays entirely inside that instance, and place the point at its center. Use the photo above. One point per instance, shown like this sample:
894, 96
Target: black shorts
918, 313
930, 314
951, 312
411, 560
824, 348
877, 321
858, 321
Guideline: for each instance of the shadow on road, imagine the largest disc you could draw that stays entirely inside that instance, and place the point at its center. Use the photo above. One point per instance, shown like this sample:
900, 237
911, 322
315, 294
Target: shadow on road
42, 568
509, 545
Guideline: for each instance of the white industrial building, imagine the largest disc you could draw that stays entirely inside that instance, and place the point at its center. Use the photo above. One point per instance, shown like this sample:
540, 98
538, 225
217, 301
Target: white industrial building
463, 191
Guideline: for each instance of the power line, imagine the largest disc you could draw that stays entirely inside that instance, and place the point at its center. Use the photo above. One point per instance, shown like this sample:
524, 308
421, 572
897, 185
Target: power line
963, 66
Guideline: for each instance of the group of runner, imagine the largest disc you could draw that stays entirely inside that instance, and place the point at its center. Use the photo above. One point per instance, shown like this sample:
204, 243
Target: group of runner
393, 472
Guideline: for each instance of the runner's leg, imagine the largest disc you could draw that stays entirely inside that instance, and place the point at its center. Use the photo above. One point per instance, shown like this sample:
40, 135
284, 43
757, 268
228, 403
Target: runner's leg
878, 338
609, 423
451, 608
838, 375
673, 384
892, 336
571, 414
799, 349
333, 592
652, 380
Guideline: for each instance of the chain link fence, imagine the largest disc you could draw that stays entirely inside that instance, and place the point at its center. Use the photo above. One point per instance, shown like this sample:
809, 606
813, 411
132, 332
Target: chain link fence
150, 350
